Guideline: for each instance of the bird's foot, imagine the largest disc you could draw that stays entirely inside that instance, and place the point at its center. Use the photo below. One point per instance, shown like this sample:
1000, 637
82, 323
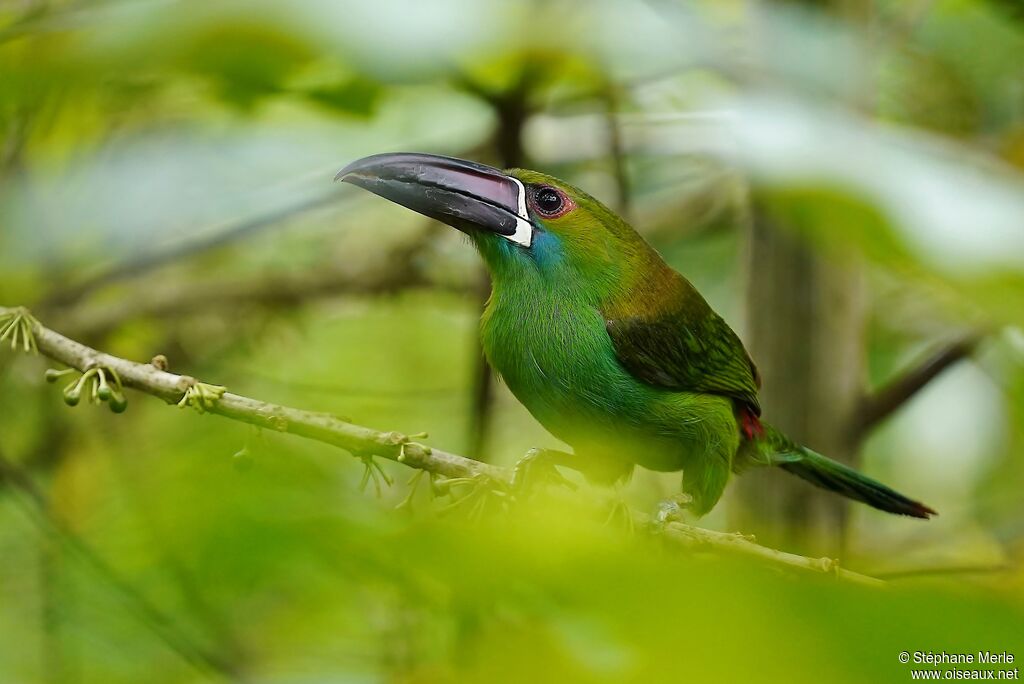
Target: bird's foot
538, 467
672, 509
482, 493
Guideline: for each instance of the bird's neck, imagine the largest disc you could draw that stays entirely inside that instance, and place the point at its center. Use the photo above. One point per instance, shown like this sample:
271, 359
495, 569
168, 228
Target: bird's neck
638, 284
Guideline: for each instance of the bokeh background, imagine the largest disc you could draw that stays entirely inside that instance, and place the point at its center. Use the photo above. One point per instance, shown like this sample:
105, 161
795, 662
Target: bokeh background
842, 180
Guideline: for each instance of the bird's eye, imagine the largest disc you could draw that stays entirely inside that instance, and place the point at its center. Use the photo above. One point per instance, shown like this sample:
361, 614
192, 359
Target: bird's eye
548, 200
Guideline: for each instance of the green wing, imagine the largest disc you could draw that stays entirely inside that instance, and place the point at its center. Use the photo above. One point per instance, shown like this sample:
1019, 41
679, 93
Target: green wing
687, 349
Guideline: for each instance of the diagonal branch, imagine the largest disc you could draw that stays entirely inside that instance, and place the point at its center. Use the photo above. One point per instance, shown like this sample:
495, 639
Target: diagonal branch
884, 402
154, 259
403, 271
363, 442
35, 506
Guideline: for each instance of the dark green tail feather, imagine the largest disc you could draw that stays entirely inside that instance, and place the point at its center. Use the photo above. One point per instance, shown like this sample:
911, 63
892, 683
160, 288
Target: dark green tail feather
834, 476
774, 448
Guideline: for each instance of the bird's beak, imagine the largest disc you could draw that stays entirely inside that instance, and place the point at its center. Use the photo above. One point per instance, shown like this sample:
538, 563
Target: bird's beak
465, 195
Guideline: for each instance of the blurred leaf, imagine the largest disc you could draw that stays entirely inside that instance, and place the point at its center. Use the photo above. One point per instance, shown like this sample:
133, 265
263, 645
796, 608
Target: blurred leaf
246, 62
354, 96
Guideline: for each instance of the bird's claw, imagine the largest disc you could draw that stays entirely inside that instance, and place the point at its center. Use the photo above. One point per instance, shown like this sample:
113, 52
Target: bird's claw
483, 491
672, 509
536, 467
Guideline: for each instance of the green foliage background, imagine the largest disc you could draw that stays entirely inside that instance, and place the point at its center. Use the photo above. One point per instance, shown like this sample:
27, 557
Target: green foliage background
135, 129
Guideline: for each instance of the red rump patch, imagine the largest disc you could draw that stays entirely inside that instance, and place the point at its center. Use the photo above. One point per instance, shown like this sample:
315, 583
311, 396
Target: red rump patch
750, 424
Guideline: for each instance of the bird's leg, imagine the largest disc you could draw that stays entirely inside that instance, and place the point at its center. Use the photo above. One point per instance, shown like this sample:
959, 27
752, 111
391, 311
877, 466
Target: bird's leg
538, 466
619, 510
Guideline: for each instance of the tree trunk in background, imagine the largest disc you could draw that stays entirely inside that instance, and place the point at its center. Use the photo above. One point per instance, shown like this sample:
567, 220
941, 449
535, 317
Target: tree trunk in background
805, 331
511, 111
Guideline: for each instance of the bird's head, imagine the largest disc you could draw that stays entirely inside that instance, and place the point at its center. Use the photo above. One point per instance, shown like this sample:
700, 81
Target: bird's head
524, 223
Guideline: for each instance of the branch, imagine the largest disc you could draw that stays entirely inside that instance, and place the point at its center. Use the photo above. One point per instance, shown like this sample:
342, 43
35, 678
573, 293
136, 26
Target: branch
401, 271
511, 108
947, 570
887, 400
364, 442
226, 234
154, 259
321, 427
616, 150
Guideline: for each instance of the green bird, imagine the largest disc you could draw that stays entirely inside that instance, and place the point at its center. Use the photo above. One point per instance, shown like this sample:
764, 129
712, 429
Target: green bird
613, 351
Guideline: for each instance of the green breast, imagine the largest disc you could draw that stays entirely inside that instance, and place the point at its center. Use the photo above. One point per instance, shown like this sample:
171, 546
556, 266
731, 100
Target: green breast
557, 359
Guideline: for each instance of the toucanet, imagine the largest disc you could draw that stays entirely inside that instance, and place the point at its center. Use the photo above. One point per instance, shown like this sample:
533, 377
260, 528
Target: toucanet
612, 350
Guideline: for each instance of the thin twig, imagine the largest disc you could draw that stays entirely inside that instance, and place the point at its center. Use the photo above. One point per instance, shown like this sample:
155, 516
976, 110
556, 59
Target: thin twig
511, 108
482, 390
364, 442
887, 400
616, 149
941, 571
401, 271
154, 259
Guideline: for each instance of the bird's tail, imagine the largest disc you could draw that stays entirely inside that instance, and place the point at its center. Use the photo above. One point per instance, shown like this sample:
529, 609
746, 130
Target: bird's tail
772, 447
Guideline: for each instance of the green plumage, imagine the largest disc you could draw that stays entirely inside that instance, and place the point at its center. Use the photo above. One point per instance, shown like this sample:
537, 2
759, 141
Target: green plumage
619, 356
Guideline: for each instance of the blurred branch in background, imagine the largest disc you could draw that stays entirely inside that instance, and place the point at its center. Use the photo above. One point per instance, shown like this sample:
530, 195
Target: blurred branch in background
620, 166
888, 399
366, 443
511, 108
402, 270
952, 570
37, 508
157, 258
